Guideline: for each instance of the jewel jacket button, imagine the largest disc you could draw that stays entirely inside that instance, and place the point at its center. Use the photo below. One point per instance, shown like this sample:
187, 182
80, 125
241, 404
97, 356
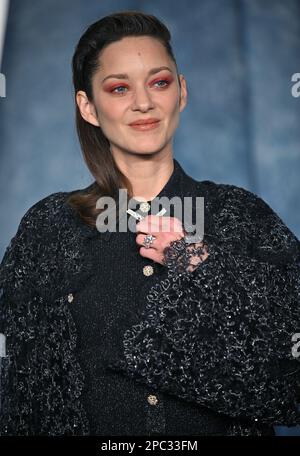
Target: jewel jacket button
152, 399
148, 270
145, 207
70, 297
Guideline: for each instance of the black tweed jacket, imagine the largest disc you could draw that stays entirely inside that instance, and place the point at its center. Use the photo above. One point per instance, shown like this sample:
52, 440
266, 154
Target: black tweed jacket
214, 348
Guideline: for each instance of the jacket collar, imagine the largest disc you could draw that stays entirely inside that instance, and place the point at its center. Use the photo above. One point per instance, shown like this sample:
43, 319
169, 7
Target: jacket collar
178, 184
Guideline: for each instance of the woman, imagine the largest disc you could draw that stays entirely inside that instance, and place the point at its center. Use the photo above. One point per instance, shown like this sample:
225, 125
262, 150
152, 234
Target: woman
157, 330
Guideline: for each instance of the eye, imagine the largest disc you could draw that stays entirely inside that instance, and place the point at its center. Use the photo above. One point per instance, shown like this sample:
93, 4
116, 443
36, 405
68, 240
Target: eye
164, 81
118, 87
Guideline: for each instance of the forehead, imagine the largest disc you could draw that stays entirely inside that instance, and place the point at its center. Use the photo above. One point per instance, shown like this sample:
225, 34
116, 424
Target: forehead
135, 53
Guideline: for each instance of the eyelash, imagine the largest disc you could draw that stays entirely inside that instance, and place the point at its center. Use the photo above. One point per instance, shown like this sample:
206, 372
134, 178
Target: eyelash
120, 93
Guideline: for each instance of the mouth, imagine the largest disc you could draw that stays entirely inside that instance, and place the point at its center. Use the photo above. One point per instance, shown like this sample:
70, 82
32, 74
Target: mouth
145, 126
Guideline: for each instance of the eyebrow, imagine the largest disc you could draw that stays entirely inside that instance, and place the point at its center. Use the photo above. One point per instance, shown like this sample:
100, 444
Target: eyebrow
125, 76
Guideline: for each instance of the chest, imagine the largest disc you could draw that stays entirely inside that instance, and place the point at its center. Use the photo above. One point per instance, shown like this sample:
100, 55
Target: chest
114, 295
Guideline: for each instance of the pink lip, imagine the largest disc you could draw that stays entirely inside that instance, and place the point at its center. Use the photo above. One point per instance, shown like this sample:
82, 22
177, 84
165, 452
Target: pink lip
144, 121
145, 126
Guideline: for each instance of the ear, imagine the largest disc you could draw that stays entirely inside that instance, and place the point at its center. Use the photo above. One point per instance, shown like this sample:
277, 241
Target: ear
183, 93
86, 108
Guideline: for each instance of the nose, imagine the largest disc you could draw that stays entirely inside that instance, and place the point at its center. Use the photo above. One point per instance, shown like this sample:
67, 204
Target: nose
142, 100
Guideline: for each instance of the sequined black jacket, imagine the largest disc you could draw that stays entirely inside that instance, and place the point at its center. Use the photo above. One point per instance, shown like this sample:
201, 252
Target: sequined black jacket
222, 338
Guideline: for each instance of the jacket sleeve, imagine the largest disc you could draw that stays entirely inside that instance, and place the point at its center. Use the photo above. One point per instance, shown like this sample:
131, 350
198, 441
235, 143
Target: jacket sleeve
222, 334
18, 308
41, 379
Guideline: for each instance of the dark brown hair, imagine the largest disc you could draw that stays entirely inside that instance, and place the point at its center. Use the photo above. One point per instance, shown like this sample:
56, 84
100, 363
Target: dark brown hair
95, 146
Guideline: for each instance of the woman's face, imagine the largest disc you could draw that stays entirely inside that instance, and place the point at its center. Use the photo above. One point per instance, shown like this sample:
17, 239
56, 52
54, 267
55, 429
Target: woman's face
140, 91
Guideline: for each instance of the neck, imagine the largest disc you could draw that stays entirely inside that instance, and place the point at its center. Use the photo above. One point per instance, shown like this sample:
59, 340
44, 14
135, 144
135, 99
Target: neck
148, 175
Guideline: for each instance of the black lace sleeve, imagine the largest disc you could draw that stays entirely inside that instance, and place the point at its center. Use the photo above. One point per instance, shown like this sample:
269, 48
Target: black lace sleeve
221, 335
18, 307
39, 364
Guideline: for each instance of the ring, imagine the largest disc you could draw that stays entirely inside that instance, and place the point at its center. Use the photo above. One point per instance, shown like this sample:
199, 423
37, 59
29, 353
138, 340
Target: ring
148, 240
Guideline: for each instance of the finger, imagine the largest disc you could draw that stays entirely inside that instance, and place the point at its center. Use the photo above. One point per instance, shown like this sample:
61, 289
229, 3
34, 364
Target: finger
154, 223
149, 224
151, 254
140, 241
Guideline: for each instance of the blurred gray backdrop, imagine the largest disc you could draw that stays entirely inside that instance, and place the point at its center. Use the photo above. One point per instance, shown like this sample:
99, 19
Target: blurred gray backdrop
241, 125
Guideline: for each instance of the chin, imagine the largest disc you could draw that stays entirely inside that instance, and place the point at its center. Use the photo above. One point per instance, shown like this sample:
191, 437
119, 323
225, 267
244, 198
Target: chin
152, 151
150, 147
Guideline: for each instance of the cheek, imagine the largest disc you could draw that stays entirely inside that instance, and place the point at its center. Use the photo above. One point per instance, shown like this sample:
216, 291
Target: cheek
108, 110
173, 113
171, 103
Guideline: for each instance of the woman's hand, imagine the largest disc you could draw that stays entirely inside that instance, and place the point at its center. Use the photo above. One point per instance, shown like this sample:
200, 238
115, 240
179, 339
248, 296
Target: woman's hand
165, 230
